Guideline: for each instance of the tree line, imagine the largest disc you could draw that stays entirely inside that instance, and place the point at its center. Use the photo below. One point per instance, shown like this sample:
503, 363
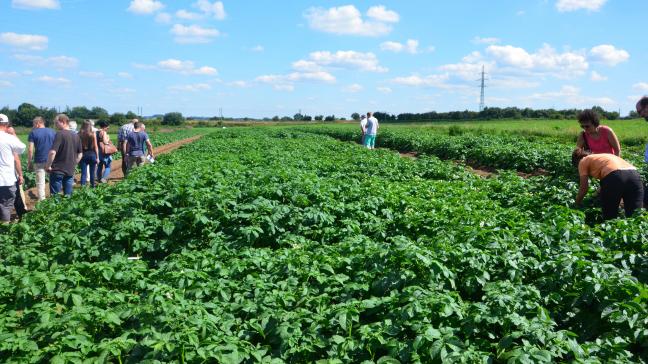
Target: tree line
25, 113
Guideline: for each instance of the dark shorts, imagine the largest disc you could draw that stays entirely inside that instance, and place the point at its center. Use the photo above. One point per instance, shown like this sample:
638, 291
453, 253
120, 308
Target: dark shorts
621, 184
7, 199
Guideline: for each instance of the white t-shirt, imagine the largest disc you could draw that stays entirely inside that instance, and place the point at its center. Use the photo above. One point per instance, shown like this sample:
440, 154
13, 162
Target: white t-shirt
9, 145
372, 126
363, 124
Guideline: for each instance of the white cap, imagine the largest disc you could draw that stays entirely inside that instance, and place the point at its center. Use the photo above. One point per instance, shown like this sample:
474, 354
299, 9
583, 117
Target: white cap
4, 119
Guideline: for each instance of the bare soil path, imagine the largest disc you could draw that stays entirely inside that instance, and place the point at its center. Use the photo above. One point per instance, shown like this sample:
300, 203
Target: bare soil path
116, 174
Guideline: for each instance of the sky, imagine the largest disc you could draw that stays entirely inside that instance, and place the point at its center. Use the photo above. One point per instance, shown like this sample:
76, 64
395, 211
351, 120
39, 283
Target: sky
266, 58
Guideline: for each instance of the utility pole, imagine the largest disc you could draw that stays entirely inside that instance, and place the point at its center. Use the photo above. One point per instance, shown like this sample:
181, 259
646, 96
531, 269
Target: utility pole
481, 95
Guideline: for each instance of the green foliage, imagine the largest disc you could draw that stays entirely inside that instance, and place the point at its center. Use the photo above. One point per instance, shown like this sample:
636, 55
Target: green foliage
173, 118
279, 245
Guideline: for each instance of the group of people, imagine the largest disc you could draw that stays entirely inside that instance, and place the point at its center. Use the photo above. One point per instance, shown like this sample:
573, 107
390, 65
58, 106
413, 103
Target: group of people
598, 155
369, 127
58, 154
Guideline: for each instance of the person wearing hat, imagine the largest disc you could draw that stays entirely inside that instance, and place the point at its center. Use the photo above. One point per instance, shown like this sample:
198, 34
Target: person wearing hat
10, 146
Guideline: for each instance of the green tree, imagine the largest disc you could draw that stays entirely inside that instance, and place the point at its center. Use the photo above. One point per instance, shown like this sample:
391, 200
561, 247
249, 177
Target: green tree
319, 117
173, 118
99, 113
26, 114
298, 117
131, 115
118, 119
355, 116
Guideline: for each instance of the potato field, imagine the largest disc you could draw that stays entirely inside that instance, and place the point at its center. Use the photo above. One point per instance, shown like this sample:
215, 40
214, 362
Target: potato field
294, 245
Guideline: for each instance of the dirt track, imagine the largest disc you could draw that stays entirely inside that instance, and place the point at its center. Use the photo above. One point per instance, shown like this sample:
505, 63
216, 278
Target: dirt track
116, 174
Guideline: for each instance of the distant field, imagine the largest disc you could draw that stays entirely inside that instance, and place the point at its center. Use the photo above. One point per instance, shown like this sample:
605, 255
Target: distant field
630, 132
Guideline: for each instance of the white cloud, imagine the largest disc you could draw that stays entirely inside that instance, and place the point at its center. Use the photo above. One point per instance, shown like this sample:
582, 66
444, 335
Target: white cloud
572, 5
5, 84
545, 60
238, 84
54, 80
9, 74
609, 54
28, 41
487, 40
347, 20
216, 9
595, 76
186, 68
353, 88
381, 13
411, 46
258, 48
187, 15
36, 4
288, 88
342, 59
385, 90
55, 62
640, 86
571, 95
429, 81
145, 6
124, 75
190, 88
164, 18
286, 82
193, 34
88, 74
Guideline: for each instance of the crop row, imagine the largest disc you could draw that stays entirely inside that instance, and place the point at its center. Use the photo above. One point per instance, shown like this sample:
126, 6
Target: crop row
280, 246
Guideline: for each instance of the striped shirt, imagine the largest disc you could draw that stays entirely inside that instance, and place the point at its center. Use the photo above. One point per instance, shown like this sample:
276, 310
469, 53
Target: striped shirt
124, 131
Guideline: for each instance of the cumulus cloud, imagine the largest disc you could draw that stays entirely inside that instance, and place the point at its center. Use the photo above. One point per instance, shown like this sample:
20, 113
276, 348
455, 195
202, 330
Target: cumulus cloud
571, 95
286, 82
5, 84
26, 41
429, 81
381, 13
36, 4
164, 18
190, 88
341, 59
572, 5
348, 20
4, 74
58, 62
640, 86
185, 67
53, 80
193, 34
487, 40
595, 76
187, 15
411, 46
545, 60
353, 88
215, 9
144, 7
609, 54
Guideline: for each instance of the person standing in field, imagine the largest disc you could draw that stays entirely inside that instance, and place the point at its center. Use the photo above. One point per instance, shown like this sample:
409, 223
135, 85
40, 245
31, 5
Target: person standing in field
619, 180
595, 137
63, 157
40, 142
10, 147
134, 144
19, 201
122, 134
371, 131
103, 140
90, 150
363, 128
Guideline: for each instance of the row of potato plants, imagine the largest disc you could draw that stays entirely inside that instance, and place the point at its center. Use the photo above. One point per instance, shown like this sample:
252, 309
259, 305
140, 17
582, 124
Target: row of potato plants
501, 151
280, 246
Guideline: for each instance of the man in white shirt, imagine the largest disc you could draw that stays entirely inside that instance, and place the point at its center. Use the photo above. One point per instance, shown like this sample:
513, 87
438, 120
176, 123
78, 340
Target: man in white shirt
363, 128
9, 146
371, 131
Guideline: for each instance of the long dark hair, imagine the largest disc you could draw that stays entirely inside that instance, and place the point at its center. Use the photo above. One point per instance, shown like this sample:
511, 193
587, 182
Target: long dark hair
87, 136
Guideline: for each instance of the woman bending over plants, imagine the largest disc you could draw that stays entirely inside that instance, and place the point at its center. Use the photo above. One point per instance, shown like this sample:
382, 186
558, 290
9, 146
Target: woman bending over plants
619, 180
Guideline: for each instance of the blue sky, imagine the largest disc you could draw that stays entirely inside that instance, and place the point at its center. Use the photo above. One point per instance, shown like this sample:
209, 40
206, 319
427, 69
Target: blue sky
266, 58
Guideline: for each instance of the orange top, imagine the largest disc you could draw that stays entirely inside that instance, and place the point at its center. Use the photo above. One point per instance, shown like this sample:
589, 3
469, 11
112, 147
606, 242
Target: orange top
600, 165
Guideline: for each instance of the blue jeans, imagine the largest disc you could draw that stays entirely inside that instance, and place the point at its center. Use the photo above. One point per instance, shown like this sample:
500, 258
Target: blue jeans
370, 140
89, 159
58, 180
104, 162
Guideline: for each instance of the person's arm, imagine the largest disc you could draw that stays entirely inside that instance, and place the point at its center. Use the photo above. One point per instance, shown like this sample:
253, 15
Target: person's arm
50, 158
125, 148
582, 189
30, 155
614, 142
149, 146
19, 171
79, 156
96, 147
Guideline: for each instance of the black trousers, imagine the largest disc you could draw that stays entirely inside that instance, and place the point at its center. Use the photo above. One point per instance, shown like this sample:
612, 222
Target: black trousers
621, 184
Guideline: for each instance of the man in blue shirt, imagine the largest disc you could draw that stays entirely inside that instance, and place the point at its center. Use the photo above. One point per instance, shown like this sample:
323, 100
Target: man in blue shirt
134, 145
40, 142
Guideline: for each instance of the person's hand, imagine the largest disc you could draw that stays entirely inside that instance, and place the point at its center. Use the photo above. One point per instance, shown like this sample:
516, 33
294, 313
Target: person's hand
97, 160
21, 180
48, 169
11, 131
